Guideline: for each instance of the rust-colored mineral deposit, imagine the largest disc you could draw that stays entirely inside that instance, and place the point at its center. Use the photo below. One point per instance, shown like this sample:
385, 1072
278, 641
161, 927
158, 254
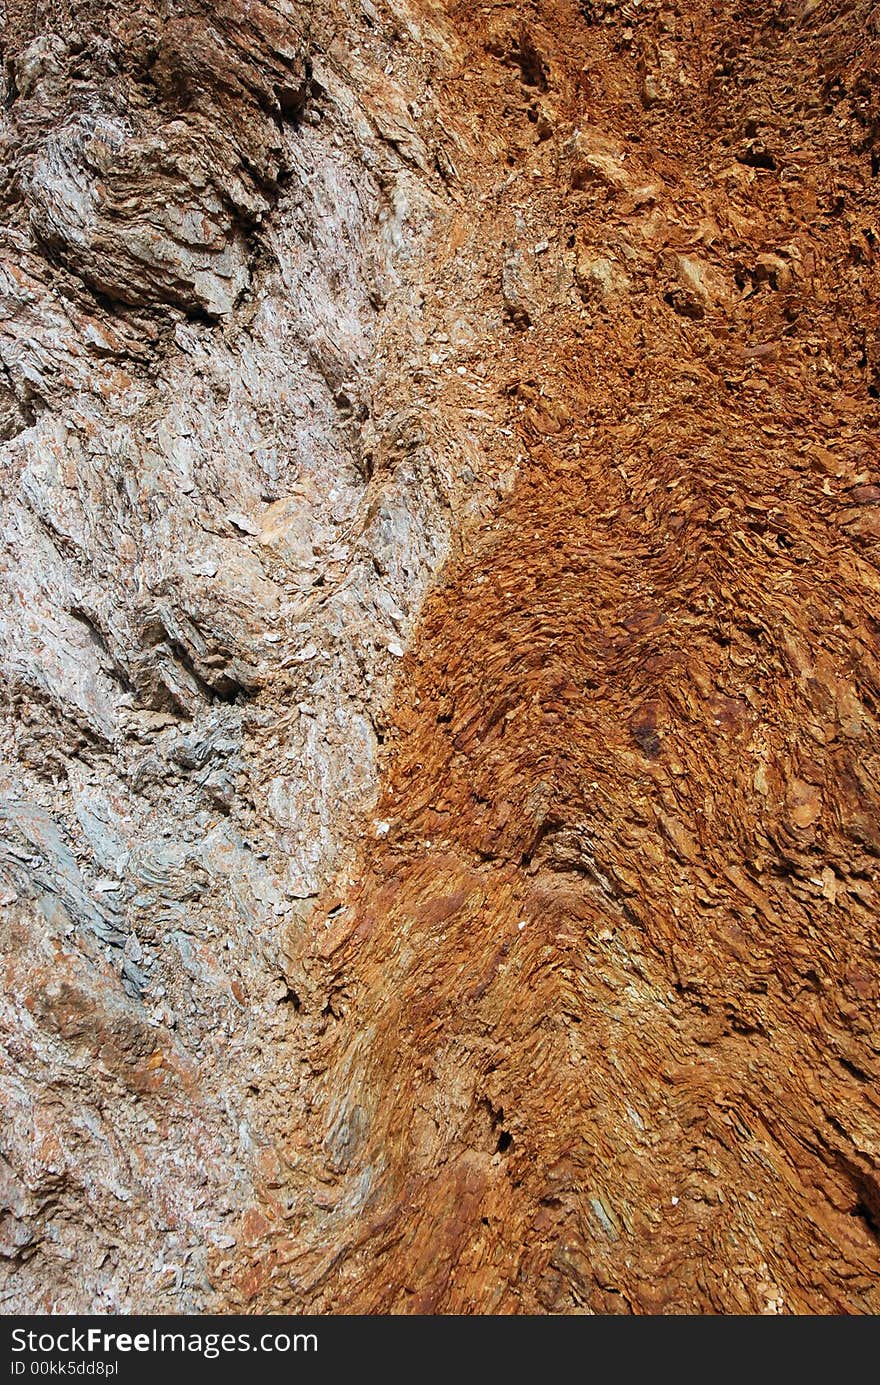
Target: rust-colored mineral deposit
441, 772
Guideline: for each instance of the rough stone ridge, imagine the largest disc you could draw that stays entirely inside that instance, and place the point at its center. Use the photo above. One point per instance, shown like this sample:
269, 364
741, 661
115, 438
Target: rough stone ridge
440, 766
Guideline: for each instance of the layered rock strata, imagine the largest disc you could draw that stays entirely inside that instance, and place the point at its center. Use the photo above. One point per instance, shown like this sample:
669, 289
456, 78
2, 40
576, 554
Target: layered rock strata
440, 778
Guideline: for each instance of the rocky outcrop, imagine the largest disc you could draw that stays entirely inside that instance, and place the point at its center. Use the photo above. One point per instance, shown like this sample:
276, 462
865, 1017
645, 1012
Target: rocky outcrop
222, 504
440, 764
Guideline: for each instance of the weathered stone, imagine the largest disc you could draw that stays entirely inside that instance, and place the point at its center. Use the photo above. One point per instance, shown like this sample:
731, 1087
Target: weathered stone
439, 763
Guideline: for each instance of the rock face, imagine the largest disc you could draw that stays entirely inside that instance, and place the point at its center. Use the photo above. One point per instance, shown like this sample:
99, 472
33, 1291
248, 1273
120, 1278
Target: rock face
440, 764
224, 495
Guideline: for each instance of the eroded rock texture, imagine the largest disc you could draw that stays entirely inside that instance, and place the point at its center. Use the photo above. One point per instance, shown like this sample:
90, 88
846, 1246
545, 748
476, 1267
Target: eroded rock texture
440, 779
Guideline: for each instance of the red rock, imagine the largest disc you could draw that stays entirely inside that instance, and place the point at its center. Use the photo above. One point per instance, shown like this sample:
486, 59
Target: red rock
531, 968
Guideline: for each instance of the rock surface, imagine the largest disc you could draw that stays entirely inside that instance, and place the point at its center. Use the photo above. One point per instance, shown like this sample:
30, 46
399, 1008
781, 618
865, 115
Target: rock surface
440, 767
